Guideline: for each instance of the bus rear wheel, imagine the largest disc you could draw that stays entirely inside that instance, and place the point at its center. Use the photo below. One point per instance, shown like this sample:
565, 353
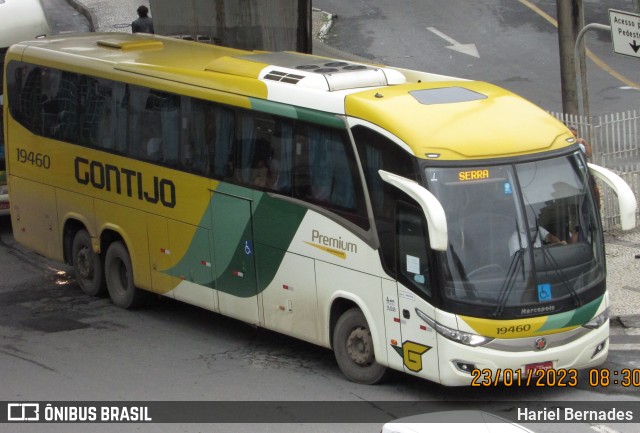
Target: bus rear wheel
353, 349
87, 265
119, 276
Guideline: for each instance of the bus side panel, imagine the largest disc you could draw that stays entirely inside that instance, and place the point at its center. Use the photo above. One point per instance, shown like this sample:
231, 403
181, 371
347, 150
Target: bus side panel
34, 217
131, 225
365, 290
290, 301
195, 265
160, 253
78, 207
392, 324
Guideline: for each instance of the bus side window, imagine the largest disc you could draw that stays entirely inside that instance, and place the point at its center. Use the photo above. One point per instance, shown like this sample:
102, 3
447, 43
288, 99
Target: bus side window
169, 107
98, 129
120, 116
413, 259
220, 137
245, 147
280, 165
31, 98
193, 147
65, 126
145, 127
266, 156
326, 173
377, 152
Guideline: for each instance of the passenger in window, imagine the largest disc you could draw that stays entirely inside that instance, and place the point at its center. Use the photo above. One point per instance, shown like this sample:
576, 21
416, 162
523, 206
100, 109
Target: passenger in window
261, 174
154, 149
266, 173
274, 174
541, 236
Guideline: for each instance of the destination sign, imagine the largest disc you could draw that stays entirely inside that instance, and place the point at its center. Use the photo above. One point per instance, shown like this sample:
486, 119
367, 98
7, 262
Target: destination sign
467, 175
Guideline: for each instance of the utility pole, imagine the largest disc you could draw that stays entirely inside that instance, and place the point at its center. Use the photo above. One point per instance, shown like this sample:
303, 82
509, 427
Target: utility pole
570, 22
305, 37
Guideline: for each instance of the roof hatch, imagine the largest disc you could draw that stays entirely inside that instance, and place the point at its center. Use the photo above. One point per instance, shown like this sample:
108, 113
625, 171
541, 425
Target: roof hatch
125, 45
315, 72
446, 95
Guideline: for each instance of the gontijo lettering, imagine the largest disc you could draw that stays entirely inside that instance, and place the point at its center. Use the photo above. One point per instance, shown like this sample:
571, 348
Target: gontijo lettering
473, 175
112, 178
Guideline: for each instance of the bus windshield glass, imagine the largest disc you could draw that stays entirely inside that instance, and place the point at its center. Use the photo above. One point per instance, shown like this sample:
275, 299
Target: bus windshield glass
523, 238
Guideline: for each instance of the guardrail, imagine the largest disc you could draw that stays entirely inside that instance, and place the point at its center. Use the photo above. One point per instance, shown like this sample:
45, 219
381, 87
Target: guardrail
615, 140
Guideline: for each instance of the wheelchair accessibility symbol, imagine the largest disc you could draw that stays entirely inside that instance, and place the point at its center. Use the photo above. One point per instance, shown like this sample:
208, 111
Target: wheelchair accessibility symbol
544, 292
248, 248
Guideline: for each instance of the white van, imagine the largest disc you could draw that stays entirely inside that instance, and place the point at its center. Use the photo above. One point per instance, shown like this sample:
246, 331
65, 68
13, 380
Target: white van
20, 20
468, 421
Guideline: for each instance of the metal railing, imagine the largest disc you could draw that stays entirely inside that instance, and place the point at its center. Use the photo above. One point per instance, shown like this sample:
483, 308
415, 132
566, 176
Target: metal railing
615, 140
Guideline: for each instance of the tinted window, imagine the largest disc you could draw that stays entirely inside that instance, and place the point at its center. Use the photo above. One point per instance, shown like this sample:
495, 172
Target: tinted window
306, 161
376, 153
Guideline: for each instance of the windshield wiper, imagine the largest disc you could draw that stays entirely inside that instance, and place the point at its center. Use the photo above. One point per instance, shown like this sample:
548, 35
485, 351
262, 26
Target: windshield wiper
509, 281
563, 279
469, 289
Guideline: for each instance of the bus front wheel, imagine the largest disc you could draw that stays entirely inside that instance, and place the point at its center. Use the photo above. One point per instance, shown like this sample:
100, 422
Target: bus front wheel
87, 265
353, 349
119, 276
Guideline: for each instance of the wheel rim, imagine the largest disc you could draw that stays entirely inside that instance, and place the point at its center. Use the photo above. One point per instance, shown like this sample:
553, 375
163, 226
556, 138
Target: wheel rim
84, 263
359, 344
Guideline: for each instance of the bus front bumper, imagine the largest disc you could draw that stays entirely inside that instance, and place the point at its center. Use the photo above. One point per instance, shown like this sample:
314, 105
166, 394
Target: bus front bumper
512, 362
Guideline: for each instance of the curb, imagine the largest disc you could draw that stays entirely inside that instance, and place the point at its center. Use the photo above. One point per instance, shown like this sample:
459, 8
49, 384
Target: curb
89, 15
326, 20
629, 321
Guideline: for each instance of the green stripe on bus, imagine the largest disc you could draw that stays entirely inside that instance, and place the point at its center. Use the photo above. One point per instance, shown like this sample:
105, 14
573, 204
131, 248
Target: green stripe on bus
572, 318
269, 225
275, 223
292, 112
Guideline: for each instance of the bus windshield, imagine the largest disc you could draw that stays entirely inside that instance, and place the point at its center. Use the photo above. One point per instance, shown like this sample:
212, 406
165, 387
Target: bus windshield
523, 238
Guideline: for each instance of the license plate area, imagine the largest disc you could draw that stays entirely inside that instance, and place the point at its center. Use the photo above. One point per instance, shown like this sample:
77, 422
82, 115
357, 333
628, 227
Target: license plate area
547, 365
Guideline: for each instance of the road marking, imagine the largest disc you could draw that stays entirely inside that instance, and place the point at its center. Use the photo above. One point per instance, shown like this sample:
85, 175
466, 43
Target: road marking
597, 60
600, 428
615, 330
469, 49
624, 347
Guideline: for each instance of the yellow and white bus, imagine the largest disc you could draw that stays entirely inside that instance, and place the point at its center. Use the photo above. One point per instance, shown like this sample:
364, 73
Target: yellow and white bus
391, 215
19, 20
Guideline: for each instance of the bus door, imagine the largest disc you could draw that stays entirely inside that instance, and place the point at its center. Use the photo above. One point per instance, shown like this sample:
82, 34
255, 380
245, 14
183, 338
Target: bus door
233, 254
183, 251
419, 343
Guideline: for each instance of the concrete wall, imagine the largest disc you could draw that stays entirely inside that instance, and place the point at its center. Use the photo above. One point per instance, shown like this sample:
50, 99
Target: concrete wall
271, 25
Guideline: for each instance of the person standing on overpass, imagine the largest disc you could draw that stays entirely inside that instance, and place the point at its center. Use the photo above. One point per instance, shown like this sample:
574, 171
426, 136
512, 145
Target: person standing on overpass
144, 23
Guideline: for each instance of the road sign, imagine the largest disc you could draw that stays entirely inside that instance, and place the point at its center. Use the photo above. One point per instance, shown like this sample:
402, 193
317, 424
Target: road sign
625, 32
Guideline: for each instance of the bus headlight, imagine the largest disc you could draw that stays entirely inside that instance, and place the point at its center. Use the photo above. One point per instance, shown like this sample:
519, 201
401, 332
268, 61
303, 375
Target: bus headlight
598, 321
453, 334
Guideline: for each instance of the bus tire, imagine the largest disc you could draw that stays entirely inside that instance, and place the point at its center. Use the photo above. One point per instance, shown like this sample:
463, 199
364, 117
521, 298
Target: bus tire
353, 349
87, 265
119, 276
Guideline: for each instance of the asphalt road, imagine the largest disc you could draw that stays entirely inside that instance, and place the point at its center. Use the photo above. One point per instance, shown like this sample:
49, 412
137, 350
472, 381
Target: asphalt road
58, 344
516, 43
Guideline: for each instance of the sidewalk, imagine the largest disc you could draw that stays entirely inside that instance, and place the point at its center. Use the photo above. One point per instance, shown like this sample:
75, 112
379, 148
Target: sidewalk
117, 15
623, 276
622, 248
